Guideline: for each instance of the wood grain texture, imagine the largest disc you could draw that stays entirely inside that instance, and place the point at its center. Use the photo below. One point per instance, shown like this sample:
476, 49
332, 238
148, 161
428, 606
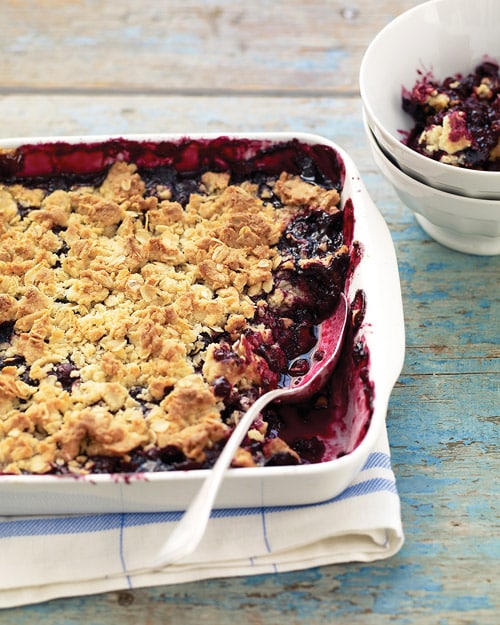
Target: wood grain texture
444, 411
188, 46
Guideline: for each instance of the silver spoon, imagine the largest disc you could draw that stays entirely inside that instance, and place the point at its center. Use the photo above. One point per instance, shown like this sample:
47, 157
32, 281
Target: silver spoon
190, 529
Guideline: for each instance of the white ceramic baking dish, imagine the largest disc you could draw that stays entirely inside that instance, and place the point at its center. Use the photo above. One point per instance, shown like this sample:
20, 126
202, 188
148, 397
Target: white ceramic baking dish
382, 331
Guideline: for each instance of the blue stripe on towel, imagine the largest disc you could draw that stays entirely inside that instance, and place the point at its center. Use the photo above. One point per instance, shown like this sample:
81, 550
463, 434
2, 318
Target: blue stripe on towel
51, 526
377, 459
367, 487
81, 524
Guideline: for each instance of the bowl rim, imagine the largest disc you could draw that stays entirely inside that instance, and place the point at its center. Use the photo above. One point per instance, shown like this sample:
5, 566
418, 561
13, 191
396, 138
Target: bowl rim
466, 199
444, 168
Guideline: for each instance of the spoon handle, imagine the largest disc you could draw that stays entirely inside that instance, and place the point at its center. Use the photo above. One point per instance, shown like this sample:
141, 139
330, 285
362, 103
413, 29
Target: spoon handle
190, 529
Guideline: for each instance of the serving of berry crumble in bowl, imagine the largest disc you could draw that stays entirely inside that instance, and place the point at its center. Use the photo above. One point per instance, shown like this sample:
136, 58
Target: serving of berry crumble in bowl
436, 113
153, 287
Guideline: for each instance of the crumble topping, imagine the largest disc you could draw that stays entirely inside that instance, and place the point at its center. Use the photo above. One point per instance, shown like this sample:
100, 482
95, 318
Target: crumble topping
457, 121
131, 320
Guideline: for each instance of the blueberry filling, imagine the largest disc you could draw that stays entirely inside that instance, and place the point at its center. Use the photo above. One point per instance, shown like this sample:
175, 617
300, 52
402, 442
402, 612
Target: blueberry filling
6, 331
308, 270
66, 374
457, 120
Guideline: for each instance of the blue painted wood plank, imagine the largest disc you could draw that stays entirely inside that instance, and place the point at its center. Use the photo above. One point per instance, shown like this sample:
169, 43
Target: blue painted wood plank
189, 46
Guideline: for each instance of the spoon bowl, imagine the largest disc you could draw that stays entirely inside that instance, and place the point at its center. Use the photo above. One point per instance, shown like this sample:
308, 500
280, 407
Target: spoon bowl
190, 530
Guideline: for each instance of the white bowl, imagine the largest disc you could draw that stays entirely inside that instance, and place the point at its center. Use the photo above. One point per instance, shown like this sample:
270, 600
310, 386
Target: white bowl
382, 330
444, 37
465, 224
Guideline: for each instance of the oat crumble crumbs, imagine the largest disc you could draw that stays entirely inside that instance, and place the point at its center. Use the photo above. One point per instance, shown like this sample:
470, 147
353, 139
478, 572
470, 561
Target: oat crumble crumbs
106, 293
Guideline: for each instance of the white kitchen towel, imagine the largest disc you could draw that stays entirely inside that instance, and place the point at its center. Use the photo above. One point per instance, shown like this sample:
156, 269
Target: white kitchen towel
43, 558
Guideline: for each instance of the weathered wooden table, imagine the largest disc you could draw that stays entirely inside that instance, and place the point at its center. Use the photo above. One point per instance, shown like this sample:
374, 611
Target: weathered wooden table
99, 66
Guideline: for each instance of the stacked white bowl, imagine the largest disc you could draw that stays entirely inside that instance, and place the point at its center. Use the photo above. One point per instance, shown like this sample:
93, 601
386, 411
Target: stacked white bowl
458, 207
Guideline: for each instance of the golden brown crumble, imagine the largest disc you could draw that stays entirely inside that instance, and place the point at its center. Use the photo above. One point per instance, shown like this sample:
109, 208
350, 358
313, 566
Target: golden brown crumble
139, 281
